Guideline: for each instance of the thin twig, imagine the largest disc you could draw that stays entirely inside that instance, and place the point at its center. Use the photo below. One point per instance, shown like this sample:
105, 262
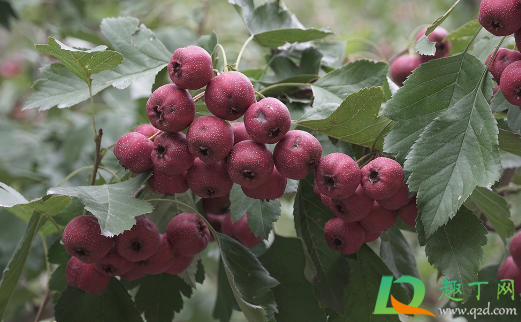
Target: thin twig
42, 305
139, 191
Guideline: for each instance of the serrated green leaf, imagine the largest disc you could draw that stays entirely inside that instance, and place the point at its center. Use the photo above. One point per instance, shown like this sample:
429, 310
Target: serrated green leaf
250, 282
208, 42
82, 62
464, 32
360, 295
499, 103
261, 214
484, 46
192, 273
399, 257
285, 261
456, 249
159, 296
276, 38
144, 56
495, 208
164, 211
328, 269
225, 300
356, 120
112, 204
15, 267
514, 118
488, 299
455, 154
114, 304
432, 88
510, 142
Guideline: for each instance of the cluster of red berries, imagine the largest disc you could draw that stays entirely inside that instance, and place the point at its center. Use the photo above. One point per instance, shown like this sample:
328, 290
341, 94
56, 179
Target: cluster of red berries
503, 18
511, 268
365, 201
403, 66
214, 154
132, 254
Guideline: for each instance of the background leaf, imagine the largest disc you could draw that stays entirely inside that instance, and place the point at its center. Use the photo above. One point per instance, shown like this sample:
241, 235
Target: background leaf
510, 142
328, 269
456, 249
112, 204
225, 300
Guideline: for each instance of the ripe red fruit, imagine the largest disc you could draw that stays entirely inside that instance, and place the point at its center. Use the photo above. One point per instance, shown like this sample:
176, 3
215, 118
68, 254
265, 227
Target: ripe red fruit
10, 68
180, 264
337, 176
500, 17
402, 67
85, 277
344, 237
216, 222
250, 164
442, 47
210, 138
370, 236
239, 132
209, 180
515, 249
113, 264
267, 121
297, 154
379, 219
509, 270
140, 242
503, 58
381, 178
228, 95
171, 154
190, 67
170, 108
354, 208
242, 232
217, 205
272, 188
397, 200
146, 129
162, 183
133, 152
134, 273
409, 212
161, 260
510, 83
188, 234
82, 238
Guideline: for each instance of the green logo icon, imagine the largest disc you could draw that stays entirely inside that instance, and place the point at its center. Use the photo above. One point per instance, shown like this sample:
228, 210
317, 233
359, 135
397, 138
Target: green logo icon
398, 307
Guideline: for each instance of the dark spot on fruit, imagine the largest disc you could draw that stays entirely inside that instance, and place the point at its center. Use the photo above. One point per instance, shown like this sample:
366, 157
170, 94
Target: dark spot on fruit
440, 47
230, 96
373, 175
177, 69
329, 181
338, 242
312, 163
161, 151
261, 117
158, 112
109, 269
340, 208
209, 191
204, 150
248, 174
234, 109
504, 59
518, 94
82, 252
274, 132
496, 24
136, 245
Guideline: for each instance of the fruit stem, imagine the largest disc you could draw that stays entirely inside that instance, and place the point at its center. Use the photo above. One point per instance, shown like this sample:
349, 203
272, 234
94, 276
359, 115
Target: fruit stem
42, 305
75, 172
368, 42
242, 50
495, 52
378, 136
282, 85
155, 135
258, 83
97, 160
92, 111
393, 58
473, 39
198, 96
259, 94
225, 62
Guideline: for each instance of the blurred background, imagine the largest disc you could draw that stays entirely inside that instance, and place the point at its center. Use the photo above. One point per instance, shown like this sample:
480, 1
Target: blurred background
39, 149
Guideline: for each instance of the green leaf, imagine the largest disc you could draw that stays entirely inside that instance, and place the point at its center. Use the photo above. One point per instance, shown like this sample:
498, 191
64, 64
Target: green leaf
114, 304
399, 257
16, 265
487, 299
360, 295
58, 283
514, 119
356, 120
432, 88
261, 214
510, 142
144, 56
57, 254
484, 46
456, 249
82, 62
495, 208
250, 282
273, 24
193, 273
6, 14
112, 204
208, 42
499, 103
225, 300
285, 261
159, 296
10, 197
464, 32
327, 268
164, 211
